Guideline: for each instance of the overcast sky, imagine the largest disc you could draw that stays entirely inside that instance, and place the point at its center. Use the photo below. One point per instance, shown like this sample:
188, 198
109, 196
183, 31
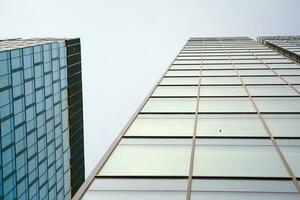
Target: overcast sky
126, 45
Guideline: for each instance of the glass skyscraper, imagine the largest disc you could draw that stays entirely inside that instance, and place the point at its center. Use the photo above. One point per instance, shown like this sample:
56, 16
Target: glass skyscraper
41, 148
222, 123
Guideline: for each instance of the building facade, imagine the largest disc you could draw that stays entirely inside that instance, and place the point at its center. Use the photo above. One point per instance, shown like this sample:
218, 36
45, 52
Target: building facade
41, 149
221, 123
286, 45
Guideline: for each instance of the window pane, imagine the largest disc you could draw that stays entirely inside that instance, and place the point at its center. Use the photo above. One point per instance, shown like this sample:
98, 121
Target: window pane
134, 195
278, 104
250, 66
288, 71
162, 125
170, 105
273, 90
238, 161
219, 80
290, 65
180, 81
183, 73
283, 125
230, 125
262, 80
243, 196
138, 184
218, 73
229, 66
186, 67
222, 91
243, 185
176, 91
225, 105
148, 160
255, 72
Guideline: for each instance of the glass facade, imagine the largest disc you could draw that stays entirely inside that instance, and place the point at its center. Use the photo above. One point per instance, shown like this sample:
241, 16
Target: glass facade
221, 123
34, 110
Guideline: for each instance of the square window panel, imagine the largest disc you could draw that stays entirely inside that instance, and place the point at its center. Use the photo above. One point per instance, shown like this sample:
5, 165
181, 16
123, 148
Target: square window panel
282, 90
283, 125
278, 104
176, 91
153, 158
225, 105
170, 105
162, 125
237, 159
222, 91
180, 81
230, 126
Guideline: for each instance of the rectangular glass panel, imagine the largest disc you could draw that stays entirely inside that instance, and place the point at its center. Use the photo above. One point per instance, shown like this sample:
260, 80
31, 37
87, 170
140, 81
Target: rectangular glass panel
229, 66
183, 73
288, 71
170, 105
134, 195
138, 184
162, 125
255, 72
291, 153
250, 66
230, 125
186, 67
222, 91
283, 125
218, 73
220, 80
180, 81
148, 160
292, 79
262, 80
278, 104
282, 90
225, 105
243, 196
238, 161
176, 91
243, 185
282, 65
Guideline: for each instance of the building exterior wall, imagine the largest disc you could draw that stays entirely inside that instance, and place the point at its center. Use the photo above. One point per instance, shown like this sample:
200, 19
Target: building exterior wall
221, 123
35, 126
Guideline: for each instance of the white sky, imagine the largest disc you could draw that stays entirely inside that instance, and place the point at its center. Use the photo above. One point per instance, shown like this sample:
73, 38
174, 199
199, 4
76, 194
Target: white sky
126, 45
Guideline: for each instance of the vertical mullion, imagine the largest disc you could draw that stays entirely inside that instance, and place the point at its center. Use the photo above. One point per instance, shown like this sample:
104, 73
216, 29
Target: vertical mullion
189, 186
290, 172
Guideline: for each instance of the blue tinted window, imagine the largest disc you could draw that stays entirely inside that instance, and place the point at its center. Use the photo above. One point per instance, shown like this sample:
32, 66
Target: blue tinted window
4, 67
17, 78
18, 90
16, 63
5, 97
6, 127
28, 62
19, 105
7, 155
38, 70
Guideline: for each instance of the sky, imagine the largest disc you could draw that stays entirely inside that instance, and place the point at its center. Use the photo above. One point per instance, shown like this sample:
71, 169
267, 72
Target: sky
128, 44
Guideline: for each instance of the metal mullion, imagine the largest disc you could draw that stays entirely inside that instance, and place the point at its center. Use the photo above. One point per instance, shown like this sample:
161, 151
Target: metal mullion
278, 150
280, 76
190, 177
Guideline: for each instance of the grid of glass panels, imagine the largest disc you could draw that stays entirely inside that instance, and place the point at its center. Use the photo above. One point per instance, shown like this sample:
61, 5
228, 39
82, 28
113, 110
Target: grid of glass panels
215, 127
34, 153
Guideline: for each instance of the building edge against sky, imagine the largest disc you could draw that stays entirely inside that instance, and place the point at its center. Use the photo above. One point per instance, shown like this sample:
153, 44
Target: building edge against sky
42, 147
250, 62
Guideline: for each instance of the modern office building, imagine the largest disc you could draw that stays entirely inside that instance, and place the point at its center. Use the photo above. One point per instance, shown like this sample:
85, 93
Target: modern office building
286, 45
222, 123
41, 148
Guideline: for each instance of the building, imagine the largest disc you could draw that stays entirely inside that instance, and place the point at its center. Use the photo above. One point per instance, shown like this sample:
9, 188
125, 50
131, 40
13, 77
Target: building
221, 123
286, 45
41, 149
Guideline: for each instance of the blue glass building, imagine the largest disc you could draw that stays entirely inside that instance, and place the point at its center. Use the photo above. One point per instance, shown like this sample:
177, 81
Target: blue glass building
41, 148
